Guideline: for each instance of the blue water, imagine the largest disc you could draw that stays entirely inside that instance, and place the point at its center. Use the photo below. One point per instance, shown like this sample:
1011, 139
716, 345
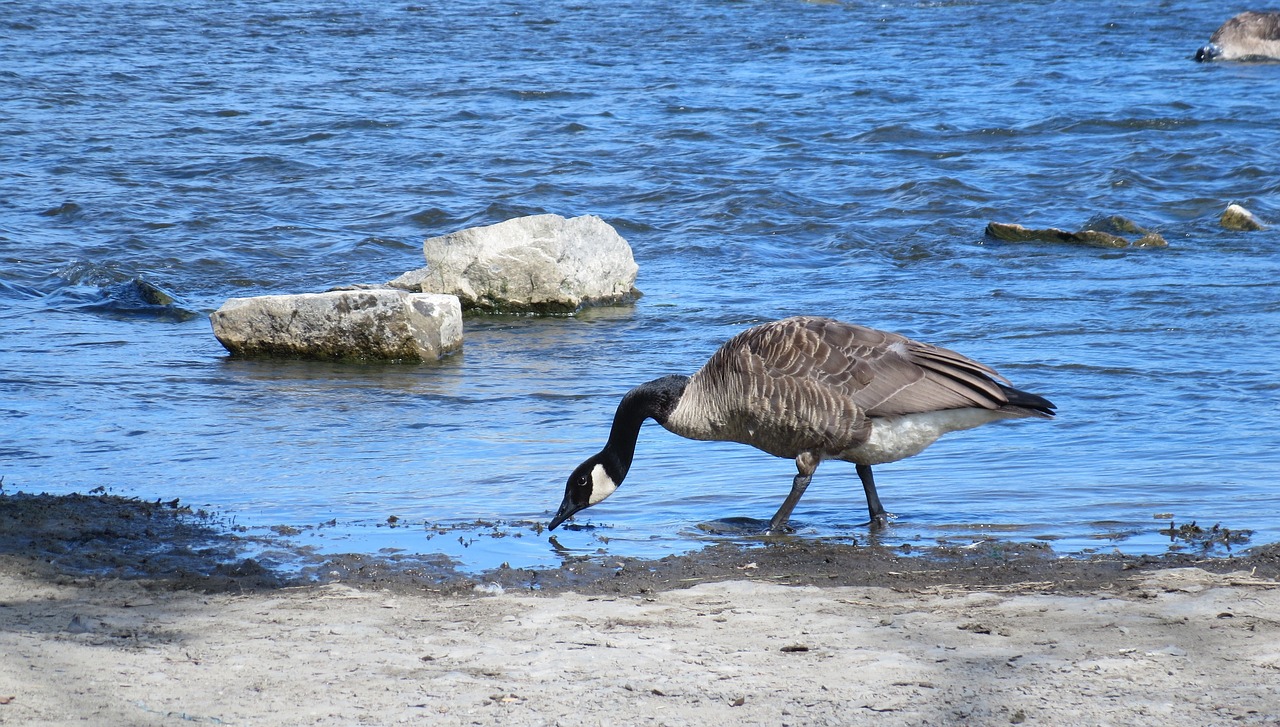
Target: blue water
762, 158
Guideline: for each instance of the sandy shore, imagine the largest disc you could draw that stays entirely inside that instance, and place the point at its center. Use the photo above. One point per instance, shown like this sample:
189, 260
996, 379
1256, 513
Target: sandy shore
1183, 646
798, 633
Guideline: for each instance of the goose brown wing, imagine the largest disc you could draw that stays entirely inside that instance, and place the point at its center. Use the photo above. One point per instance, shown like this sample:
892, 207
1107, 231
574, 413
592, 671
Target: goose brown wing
1268, 25
880, 373
1262, 26
778, 387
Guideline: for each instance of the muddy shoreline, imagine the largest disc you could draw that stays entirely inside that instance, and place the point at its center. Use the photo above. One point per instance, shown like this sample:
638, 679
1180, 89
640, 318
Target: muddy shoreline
100, 537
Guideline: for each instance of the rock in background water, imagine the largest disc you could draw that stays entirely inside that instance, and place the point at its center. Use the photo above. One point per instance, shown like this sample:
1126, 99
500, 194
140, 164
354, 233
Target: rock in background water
1235, 217
537, 264
1089, 236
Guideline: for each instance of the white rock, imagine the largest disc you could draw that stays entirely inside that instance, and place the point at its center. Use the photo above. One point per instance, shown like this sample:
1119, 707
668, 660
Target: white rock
540, 264
378, 323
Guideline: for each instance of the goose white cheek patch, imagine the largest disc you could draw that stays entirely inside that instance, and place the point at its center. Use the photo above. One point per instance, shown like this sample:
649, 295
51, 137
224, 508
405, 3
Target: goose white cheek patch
602, 485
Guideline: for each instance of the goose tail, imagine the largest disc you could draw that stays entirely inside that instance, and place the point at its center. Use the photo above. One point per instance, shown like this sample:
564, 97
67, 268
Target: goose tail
1032, 404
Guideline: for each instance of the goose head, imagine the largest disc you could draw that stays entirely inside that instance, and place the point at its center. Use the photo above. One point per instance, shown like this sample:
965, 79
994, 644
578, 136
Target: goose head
592, 481
600, 475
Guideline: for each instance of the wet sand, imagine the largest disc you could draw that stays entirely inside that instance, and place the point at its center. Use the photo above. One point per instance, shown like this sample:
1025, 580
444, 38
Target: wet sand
119, 612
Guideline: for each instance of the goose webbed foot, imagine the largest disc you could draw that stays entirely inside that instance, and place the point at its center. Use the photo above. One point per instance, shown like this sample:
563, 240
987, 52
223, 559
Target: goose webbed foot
879, 520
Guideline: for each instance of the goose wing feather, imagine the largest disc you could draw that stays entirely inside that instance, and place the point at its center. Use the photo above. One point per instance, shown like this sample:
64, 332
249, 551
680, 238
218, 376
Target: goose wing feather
810, 382
780, 393
1249, 24
882, 373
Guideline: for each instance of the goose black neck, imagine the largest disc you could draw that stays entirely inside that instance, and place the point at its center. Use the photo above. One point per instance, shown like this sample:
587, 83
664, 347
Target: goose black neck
655, 399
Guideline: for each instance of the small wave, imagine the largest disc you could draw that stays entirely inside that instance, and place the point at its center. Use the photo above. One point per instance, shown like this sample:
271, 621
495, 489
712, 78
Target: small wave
308, 138
542, 95
432, 217
1075, 125
17, 291
377, 124
685, 134
385, 243
892, 133
500, 211
271, 164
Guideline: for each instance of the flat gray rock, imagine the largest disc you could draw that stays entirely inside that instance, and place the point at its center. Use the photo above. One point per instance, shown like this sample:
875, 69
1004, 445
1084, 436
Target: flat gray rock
378, 323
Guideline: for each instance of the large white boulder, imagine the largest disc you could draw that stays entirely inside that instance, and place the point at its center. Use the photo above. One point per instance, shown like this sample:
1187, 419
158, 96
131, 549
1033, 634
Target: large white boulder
378, 323
536, 264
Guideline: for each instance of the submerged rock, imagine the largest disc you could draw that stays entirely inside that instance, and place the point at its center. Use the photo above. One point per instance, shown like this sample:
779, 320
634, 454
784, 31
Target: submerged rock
537, 264
378, 323
137, 296
1235, 217
1092, 237
1017, 233
109, 290
1151, 239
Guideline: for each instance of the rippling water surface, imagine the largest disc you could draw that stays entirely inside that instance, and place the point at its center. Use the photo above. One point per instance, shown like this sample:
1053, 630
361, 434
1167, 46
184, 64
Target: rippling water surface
763, 158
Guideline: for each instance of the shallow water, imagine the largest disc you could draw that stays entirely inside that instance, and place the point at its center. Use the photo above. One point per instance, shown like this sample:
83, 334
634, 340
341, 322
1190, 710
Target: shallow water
763, 159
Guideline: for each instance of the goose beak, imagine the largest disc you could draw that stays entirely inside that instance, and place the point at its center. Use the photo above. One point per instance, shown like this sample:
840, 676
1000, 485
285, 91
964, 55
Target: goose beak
566, 511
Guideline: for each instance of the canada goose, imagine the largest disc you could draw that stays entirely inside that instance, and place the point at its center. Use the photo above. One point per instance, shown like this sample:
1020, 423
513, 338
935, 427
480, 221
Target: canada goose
810, 389
1247, 36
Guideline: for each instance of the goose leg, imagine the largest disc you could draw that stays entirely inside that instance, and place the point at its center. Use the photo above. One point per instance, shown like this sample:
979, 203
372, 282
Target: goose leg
879, 518
805, 464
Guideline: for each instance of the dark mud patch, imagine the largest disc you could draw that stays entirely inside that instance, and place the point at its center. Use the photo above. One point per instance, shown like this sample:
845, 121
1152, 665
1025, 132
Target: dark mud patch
106, 536
84, 538
1017, 567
